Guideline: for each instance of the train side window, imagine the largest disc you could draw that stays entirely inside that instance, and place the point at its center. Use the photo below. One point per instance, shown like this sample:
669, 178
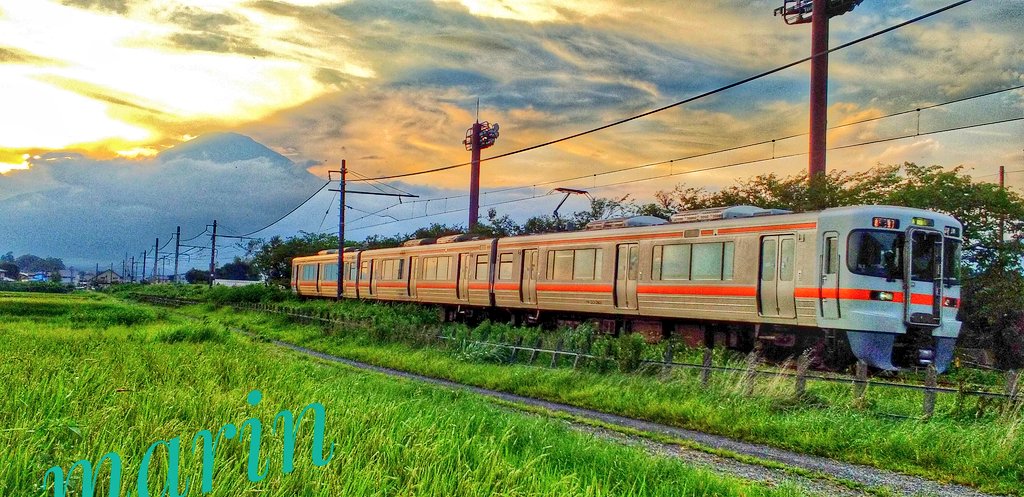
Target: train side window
331, 272
309, 272
675, 262
768, 259
583, 264
430, 268
364, 271
707, 261
831, 255
562, 267
505, 266
728, 256
481, 267
444, 265
399, 269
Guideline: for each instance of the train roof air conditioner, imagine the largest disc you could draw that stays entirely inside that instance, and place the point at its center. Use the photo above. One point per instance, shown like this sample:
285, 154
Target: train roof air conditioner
415, 242
716, 213
624, 222
461, 237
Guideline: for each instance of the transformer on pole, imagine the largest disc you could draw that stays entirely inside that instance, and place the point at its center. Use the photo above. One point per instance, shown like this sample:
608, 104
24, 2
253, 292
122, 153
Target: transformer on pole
478, 137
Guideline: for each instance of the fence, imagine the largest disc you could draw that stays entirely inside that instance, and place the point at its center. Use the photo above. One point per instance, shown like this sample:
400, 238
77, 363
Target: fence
860, 382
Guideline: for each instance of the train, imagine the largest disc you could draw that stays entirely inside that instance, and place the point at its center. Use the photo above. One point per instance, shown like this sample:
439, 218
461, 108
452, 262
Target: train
880, 284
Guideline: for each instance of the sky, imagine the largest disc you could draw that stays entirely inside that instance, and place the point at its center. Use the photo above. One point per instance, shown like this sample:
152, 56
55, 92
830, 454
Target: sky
103, 100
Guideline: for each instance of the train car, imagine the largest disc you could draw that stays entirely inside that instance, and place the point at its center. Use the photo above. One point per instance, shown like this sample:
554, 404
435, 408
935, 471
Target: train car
869, 280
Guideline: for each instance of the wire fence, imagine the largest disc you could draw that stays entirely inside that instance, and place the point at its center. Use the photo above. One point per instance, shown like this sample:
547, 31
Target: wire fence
800, 375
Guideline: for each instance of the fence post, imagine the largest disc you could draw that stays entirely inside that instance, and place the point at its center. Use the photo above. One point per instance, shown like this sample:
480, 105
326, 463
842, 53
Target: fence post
802, 364
930, 379
584, 349
667, 368
533, 354
554, 355
705, 370
1013, 386
861, 383
748, 379
515, 349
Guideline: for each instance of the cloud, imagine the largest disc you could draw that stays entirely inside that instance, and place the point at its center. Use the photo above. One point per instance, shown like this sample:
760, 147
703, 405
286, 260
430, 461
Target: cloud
114, 6
87, 210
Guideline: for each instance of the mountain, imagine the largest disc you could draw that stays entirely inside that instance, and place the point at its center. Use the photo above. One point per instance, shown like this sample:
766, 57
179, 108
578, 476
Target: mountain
223, 148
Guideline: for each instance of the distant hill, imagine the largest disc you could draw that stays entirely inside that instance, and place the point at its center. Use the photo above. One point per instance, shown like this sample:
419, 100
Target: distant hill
223, 148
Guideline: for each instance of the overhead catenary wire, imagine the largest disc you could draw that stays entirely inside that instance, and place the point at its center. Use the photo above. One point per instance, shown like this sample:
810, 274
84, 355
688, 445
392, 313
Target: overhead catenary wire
686, 100
705, 169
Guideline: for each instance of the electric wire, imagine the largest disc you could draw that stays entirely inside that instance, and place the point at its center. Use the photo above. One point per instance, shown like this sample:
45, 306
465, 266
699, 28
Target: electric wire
686, 100
289, 212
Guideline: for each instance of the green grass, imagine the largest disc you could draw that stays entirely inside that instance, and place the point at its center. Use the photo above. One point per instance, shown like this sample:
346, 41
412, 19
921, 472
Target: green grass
76, 391
967, 441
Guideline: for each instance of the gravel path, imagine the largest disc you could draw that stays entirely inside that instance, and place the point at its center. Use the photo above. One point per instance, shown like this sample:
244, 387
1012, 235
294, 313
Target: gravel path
895, 483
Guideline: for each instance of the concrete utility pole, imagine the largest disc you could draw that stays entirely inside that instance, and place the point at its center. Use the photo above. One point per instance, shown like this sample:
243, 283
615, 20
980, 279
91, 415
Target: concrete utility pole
1002, 189
156, 258
177, 250
341, 229
213, 252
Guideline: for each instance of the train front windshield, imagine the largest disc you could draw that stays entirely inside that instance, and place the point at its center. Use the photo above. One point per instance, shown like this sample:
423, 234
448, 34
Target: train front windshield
879, 253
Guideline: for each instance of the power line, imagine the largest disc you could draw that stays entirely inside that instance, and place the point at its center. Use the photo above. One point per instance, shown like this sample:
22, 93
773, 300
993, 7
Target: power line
684, 101
289, 212
704, 154
710, 168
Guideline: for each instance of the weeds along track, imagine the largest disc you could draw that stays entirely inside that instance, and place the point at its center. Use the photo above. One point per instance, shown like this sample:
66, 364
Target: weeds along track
751, 461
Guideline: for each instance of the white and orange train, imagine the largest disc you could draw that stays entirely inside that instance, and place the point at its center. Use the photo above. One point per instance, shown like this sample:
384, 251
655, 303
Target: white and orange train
886, 276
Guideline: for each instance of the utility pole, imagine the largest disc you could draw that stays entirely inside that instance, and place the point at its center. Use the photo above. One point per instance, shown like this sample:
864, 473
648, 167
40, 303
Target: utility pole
1002, 189
133, 269
341, 215
177, 249
156, 257
478, 137
143, 267
817, 13
341, 229
213, 252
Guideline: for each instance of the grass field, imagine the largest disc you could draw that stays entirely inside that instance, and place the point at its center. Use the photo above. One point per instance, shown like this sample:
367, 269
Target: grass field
85, 375
967, 441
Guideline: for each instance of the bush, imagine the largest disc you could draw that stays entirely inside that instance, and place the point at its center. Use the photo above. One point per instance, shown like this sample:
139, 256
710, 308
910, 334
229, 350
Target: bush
35, 286
629, 351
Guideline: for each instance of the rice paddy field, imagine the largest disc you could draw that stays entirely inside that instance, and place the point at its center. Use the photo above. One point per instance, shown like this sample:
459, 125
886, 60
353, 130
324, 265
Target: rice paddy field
85, 375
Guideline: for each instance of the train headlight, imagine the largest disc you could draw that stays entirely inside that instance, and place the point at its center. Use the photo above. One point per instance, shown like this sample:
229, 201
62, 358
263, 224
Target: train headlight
883, 296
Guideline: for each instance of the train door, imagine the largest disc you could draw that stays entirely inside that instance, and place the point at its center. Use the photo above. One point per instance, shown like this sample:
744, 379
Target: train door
776, 288
528, 282
462, 276
373, 267
627, 267
922, 279
828, 290
414, 270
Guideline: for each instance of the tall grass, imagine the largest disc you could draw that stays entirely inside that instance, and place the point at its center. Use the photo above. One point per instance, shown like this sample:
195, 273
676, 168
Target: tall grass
81, 393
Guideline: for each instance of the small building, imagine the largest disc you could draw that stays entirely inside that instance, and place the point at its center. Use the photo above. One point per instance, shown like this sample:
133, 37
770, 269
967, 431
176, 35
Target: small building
107, 277
69, 277
5, 277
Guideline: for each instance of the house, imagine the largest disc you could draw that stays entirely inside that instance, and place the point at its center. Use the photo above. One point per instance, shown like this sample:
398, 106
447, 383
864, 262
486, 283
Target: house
69, 276
106, 278
5, 277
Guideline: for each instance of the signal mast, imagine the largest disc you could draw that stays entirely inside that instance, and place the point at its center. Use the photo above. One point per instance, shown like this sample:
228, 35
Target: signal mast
817, 13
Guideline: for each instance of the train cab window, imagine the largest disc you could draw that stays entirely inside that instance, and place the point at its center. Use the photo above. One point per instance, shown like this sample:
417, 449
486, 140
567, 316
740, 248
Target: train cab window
951, 261
331, 272
309, 272
481, 267
875, 253
505, 266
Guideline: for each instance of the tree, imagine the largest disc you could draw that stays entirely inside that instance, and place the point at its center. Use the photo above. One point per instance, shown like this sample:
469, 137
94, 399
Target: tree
273, 258
33, 264
8, 257
237, 269
197, 276
11, 269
